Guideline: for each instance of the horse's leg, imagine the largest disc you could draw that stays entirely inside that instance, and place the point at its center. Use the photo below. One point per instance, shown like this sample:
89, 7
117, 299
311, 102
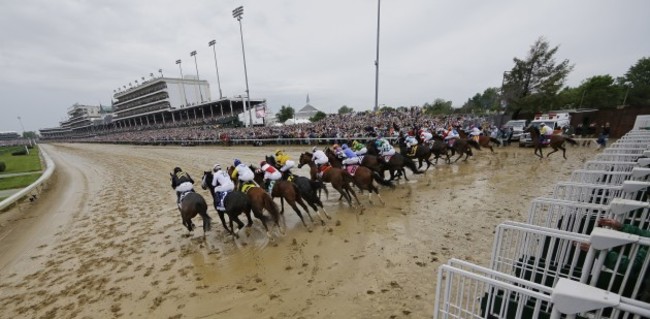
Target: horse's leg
292, 203
351, 190
419, 163
207, 221
343, 193
563, 151
281, 205
232, 231
257, 212
302, 204
491, 149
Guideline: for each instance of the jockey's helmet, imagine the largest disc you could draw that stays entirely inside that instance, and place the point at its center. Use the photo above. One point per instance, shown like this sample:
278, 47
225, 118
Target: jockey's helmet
237, 162
216, 167
542, 124
313, 149
177, 169
262, 163
344, 146
278, 152
335, 146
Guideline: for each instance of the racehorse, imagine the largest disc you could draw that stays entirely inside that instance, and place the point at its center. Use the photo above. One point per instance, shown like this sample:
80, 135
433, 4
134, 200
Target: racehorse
461, 146
306, 186
235, 203
422, 153
289, 191
340, 179
556, 142
193, 204
397, 162
260, 200
439, 148
483, 140
362, 177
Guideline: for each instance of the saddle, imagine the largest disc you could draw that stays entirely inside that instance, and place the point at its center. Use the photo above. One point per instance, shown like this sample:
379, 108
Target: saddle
247, 186
413, 151
352, 168
476, 138
387, 158
323, 169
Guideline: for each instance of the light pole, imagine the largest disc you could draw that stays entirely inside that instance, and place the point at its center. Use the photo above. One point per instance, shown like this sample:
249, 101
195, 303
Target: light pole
161, 74
21, 125
626, 92
182, 81
503, 83
237, 14
377, 59
193, 53
582, 98
214, 50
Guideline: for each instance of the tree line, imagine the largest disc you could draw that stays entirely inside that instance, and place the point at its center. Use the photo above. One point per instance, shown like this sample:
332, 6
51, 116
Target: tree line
535, 83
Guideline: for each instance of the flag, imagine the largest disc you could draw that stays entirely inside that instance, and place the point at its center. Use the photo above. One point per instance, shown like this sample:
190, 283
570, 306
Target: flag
260, 110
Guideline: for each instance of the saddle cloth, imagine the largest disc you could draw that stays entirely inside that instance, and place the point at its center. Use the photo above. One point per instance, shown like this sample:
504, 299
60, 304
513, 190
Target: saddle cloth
352, 169
247, 186
387, 157
323, 169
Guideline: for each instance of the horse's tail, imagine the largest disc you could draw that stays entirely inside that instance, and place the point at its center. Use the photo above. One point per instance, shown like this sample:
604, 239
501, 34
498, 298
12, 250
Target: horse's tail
379, 179
474, 144
270, 205
570, 140
411, 165
495, 141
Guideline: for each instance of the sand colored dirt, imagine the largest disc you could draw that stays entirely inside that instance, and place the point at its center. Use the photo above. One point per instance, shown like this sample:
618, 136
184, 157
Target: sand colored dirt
105, 239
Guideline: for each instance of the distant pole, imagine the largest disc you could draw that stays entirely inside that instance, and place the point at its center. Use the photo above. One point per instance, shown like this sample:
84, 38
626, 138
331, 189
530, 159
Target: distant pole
214, 50
161, 74
182, 81
625, 97
582, 98
237, 14
23, 128
193, 53
377, 59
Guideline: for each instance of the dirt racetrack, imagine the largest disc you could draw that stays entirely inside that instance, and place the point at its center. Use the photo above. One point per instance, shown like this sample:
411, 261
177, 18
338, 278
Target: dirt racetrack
105, 239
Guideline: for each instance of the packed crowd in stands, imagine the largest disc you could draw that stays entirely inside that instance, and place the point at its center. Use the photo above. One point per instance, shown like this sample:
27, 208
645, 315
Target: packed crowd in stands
335, 126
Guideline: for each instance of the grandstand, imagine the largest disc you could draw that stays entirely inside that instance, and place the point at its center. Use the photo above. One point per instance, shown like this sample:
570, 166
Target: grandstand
9, 135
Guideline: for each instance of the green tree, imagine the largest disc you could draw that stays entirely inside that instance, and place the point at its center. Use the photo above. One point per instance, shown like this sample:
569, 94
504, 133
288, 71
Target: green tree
599, 92
439, 106
318, 116
285, 113
638, 81
345, 109
533, 83
386, 109
483, 103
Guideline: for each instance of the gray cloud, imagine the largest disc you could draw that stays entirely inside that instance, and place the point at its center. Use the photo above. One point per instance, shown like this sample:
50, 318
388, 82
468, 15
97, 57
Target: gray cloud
56, 53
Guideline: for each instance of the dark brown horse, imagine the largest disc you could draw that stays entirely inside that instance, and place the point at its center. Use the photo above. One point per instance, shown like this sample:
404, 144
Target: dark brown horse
287, 191
396, 163
235, 204
556, 142
462, 146
339, 178
260, 201
193, 204
483, 140
362, 178
422, 153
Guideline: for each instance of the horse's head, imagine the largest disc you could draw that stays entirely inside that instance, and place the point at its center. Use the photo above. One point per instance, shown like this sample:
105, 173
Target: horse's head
271, 160
331, 156
532, 129
371, 148
304, 159
206, 179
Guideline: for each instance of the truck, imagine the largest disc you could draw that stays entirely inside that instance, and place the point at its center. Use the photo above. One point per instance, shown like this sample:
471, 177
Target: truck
555, 120
517, 127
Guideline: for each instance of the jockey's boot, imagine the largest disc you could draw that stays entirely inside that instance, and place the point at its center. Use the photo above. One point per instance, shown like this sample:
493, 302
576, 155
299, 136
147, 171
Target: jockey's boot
220, 197
269, 188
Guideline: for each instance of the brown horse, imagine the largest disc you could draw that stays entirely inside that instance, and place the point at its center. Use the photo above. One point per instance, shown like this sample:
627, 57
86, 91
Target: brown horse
396, 163
422, 153
461, 146
287, 191
362, 177
483, 140
235, 203
556, 142
261, 200
339, 178
193, 204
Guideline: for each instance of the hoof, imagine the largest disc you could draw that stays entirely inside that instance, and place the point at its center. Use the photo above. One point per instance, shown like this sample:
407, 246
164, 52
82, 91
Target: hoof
309, 229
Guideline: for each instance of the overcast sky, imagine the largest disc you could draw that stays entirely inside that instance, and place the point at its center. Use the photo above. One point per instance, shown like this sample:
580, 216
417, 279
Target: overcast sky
57, 53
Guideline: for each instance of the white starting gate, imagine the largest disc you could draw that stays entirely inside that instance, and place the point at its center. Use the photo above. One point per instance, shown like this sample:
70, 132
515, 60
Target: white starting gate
616, 166
622, 150
617, 157
599, 193
607, 259
609, 177
465, 290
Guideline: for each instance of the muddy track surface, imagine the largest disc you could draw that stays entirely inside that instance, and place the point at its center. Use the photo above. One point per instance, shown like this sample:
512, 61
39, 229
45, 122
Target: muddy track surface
105, 239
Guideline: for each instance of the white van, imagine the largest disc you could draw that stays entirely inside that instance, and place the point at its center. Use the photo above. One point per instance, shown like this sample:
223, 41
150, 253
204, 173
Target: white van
517, 127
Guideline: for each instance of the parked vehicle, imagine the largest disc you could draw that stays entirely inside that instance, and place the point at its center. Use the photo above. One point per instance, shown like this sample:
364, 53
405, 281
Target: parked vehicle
517, 127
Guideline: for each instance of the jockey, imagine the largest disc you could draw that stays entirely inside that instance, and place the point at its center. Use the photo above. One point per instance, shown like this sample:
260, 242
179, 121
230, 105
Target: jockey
351, 157
452, 135
411, 142
222, 185
383, 147
338, 151
242, 173
271, 175
319, 157
181, 182
359, 148
475, 133
284, 162
545, 132
425, 136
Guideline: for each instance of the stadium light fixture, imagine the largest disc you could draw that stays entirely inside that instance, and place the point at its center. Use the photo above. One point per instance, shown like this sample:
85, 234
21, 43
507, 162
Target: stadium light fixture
213, 44
238, 14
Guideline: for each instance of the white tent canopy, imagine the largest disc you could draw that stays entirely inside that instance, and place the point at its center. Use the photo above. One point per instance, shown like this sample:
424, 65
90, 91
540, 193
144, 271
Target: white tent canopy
296, 121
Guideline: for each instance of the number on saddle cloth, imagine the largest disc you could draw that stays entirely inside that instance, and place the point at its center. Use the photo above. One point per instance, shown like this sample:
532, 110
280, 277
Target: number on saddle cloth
247, 186
352, 168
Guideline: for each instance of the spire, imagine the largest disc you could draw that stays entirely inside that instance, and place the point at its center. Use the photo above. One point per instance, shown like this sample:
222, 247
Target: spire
307, 98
